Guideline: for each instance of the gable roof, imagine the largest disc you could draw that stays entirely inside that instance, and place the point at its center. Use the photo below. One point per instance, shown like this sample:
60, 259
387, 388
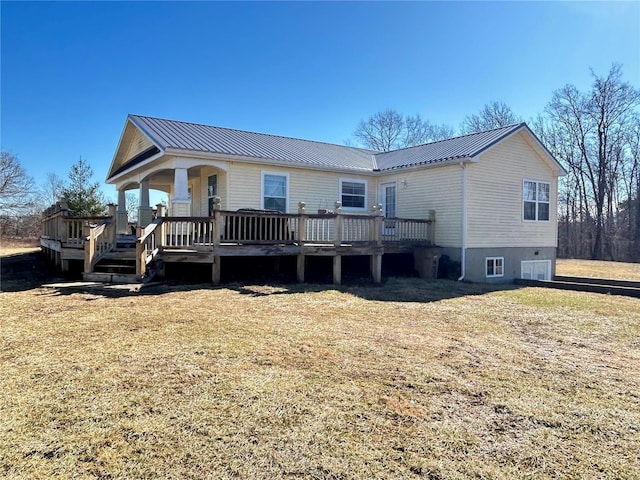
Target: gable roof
160, 136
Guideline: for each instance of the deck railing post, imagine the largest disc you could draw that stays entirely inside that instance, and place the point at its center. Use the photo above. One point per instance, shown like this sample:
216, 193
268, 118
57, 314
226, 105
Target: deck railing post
89, 248
302, 236
376, 259
141, 254
216, 232
337, 242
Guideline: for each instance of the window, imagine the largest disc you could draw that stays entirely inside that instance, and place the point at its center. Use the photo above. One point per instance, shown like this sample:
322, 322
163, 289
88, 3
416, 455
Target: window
353, 194
495, 266
212, 191
274, 192
536, 269
535, 199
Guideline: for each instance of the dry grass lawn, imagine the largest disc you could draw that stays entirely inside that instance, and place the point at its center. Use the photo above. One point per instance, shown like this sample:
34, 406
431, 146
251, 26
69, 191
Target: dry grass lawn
412, 379
598, 269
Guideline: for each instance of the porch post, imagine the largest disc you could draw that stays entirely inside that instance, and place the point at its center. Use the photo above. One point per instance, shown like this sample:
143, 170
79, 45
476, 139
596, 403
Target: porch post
145, 212
180, 203
122, 220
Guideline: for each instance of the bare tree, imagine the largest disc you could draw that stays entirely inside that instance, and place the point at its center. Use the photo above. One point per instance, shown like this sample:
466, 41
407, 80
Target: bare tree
590, 134
131, 199
51, 190
16, 187
390, 130
493, 115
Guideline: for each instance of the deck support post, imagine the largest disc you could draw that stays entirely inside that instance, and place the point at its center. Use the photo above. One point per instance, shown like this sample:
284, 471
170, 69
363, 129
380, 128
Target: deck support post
376, 260
302, 232
337, 270
216, 270
216, 232
300, 268
376, 268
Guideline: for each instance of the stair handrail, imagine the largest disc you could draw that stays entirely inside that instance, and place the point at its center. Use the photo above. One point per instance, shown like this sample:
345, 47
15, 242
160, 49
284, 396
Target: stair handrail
97, 243
145, 243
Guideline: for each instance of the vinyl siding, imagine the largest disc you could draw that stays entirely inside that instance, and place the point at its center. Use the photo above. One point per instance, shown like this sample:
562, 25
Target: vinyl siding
439, 189
494, 189
316, 188
139, 143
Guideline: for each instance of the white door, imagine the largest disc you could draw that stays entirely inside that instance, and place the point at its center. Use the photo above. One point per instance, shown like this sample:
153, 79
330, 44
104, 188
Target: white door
536, 269
388, 201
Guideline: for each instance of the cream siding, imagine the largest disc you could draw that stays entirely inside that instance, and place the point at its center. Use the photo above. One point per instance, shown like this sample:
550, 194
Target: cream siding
437, 188
494, 189
139, 143
316, 188
203, 197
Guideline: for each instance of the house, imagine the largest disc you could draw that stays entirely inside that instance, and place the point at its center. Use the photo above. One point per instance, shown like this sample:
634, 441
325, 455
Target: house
488, 200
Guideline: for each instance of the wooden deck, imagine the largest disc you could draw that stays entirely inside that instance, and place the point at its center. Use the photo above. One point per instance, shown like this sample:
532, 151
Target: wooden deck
245, 233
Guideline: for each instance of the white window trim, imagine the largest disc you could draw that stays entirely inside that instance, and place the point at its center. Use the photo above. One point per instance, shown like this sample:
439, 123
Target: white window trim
523, 200
366, 194
277, 174
493, 259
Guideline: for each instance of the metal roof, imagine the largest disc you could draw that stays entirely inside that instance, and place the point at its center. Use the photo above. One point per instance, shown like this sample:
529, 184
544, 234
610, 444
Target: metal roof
204, 138
466, 146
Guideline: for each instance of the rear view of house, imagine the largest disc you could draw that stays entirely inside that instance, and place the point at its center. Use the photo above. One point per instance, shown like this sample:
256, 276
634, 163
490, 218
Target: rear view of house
486, 200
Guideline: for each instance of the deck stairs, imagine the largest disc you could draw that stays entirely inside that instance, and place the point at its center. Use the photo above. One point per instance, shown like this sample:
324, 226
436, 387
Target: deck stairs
118, 265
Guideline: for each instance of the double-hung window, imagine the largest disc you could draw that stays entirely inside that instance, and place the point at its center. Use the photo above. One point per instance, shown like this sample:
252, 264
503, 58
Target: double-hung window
274, 192
495, 267
535, 200
353, 194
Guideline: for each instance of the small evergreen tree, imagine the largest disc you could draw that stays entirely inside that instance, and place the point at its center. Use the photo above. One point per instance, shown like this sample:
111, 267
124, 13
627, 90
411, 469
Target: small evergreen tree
83, 197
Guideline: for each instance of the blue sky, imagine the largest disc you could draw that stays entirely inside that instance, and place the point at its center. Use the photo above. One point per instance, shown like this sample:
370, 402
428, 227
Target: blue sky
71, 72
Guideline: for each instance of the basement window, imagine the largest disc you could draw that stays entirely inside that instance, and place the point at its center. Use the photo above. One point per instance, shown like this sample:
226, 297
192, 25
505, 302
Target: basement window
494, 267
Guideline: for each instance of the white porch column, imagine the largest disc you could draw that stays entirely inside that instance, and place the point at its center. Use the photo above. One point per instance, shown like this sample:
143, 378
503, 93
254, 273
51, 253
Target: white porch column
145, 212
122, 220
180, 203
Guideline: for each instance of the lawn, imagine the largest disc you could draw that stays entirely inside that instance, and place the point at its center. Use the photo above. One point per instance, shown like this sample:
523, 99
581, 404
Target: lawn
598, 269
412, 379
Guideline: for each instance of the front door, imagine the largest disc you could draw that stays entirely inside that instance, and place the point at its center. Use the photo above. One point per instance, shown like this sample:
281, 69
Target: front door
388, 201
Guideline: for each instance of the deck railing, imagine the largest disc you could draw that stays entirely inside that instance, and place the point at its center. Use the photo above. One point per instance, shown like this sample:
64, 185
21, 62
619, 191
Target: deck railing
260, 228
100, 240
70, 231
